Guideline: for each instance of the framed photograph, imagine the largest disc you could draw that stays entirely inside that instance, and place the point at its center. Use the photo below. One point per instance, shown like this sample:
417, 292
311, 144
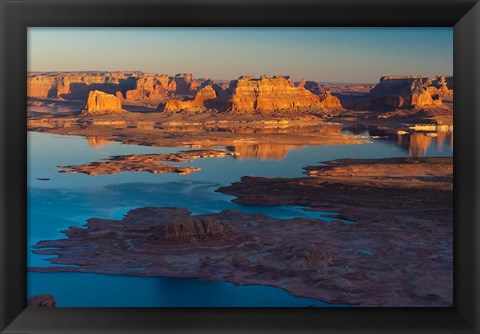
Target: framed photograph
240, 166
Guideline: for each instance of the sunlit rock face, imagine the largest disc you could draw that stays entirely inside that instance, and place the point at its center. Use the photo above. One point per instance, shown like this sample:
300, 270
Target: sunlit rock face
264, 94
153, 88
157, 88
196, 104
76, 86
403, 92
100, 103
441, 85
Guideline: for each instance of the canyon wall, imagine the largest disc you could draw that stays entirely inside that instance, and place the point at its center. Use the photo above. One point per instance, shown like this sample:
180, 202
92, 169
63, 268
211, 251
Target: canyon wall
76, 86
130, 86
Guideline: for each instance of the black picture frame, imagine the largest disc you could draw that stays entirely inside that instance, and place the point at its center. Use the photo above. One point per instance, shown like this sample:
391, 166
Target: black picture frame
17, 15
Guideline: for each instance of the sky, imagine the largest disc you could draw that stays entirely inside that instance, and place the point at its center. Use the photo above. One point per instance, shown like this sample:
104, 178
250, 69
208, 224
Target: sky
319, 54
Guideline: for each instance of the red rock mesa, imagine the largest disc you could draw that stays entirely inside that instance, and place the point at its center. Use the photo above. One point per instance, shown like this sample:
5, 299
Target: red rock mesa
407, 92
100, 103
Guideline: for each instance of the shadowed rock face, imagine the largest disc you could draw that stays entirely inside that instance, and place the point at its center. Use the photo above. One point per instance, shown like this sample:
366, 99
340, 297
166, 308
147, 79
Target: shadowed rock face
403, 92
264, 94
100, 103
312, 86
44, 300
390, 244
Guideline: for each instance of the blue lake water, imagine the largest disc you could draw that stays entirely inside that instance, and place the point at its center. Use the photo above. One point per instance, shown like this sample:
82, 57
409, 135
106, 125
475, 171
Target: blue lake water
69, 199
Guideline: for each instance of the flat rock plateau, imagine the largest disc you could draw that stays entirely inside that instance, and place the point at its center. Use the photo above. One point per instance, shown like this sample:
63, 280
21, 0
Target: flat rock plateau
153, 163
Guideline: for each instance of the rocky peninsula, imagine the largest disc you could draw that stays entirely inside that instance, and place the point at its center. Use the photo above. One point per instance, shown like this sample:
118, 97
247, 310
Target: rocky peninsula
153, 163
390, 243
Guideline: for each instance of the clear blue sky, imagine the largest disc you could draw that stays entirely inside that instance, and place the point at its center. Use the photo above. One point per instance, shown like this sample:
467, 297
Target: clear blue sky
320, 54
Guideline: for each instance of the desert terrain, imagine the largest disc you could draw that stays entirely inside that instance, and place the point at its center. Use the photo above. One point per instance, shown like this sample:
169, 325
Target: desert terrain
390, 240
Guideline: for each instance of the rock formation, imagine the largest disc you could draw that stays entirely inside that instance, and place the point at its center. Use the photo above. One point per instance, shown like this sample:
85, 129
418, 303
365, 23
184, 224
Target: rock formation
177, 225
393, 92
153, 163
196, 104
76, 85
157, 88
153, 88
441, 85
44, 300
133, 86
312, 86
100, 103
250, 95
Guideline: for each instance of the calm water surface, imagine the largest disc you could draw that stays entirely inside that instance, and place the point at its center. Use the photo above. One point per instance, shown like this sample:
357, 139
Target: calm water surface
69, 199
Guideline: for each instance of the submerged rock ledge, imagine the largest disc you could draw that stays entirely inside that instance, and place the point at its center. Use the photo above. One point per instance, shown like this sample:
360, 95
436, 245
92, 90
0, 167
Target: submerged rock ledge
398, 251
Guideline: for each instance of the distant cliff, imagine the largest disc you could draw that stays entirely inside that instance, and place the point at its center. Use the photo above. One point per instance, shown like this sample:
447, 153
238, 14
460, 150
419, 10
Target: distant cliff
133, 86
394, 92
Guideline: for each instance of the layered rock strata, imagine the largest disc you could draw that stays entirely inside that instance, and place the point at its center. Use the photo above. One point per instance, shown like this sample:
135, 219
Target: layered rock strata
196, 104
264, 94
76, 86
155, 89
394, 92
100, 103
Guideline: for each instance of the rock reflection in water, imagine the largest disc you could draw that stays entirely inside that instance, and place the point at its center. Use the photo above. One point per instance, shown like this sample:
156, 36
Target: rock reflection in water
263, 151
97, 142
418, 143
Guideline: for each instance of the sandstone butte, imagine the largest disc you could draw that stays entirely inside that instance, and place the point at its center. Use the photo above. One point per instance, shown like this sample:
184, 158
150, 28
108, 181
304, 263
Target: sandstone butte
410, 92
277, 93
196, 104
100, 103
251, 95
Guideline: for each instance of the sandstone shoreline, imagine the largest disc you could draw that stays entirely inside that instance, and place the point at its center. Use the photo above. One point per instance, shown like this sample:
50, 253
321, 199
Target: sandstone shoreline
391, 244
153, 163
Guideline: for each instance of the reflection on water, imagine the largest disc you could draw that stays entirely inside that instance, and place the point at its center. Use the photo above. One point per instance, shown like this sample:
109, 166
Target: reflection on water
263, 151
70, 199
98, 142
418, 143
